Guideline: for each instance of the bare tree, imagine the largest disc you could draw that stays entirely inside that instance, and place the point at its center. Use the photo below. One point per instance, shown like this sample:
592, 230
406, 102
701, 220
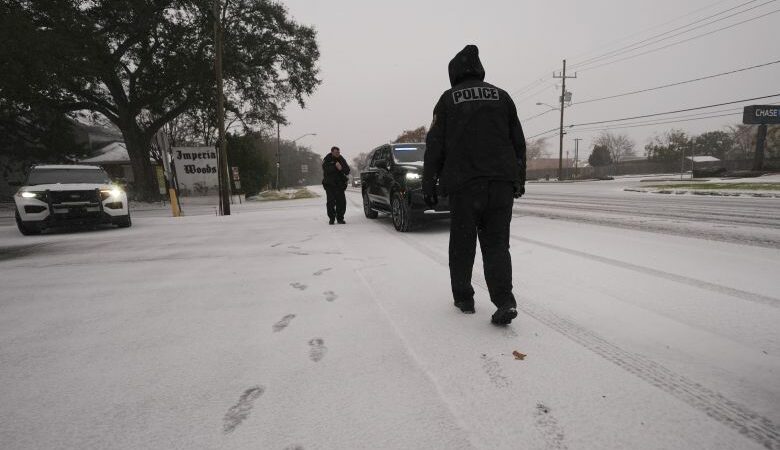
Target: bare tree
619, 145
409, 136
360, 162
536, 148
744, 137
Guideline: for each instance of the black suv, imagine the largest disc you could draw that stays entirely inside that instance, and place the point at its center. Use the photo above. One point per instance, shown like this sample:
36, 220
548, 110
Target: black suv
392, 184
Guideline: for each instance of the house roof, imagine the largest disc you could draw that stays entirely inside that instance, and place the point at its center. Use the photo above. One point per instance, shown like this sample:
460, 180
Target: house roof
702, 158
65, 166
115, 152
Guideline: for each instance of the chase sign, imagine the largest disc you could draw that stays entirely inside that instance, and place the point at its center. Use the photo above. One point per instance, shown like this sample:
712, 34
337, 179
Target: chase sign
761, 114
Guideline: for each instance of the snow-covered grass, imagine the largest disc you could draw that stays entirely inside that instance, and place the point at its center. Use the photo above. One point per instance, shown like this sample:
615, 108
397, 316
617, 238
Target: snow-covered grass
287, 194
731, 186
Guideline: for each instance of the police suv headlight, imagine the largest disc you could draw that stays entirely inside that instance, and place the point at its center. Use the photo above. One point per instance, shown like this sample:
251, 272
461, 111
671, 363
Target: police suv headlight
412, 176
28, 194
113, 192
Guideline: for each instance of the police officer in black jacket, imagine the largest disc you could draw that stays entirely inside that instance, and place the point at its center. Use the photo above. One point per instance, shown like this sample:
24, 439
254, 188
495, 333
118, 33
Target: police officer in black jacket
475, 149
334, 180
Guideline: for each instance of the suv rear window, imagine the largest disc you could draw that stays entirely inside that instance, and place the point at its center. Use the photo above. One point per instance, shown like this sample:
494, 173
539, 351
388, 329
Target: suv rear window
67, 176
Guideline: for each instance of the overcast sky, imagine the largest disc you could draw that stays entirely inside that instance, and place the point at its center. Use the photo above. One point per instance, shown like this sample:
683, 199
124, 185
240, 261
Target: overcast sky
384, 64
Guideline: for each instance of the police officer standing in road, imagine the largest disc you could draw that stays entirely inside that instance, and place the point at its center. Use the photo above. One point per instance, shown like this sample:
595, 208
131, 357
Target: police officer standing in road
334, 180
476, 152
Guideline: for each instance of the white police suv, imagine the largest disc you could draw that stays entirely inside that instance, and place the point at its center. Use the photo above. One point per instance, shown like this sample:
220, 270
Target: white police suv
66, 195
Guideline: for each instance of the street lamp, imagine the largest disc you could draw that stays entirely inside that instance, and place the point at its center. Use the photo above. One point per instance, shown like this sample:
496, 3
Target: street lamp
307, 134
545, 104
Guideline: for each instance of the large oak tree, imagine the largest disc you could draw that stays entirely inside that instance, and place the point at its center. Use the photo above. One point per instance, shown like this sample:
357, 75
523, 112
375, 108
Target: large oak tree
142, 63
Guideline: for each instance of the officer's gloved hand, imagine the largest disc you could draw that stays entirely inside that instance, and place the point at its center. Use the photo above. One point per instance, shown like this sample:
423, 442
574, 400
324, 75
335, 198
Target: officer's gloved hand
519, 189
430, 197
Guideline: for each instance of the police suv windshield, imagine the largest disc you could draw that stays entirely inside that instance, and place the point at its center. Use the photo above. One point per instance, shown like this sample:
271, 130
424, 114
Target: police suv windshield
67, 176
409, 153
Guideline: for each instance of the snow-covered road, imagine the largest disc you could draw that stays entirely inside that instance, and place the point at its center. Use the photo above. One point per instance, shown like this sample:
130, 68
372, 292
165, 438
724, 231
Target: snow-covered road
270, 329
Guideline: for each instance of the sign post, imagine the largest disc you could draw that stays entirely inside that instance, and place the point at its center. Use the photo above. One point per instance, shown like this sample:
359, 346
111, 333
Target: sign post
761, 115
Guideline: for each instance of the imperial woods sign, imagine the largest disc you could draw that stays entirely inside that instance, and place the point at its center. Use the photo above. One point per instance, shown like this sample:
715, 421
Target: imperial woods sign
196, 170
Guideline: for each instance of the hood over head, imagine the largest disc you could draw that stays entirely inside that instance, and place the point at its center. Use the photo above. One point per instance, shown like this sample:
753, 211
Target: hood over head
466, 65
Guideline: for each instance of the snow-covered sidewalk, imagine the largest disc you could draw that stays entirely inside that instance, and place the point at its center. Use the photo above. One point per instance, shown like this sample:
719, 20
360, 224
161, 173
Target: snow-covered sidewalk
271, 329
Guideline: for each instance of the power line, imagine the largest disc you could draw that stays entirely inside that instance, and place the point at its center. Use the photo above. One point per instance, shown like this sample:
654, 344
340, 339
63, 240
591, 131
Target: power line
543, 132
674, 112
653, 27
681, 42
654, 39
677, 83
527, 97
529, 86
537, 115
657, 122
683, 118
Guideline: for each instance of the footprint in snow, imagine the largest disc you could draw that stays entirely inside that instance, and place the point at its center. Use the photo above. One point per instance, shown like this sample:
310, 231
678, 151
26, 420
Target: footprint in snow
330, 296
240, 411
299, 286
282, 324
551, 430
321, 271
317, 349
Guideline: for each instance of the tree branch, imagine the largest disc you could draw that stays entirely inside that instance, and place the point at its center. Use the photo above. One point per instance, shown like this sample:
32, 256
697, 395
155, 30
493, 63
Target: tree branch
153, 127
77, 106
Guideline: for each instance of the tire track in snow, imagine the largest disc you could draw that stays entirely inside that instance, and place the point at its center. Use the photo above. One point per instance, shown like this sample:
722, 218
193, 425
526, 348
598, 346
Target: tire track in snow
743, 295
729, 413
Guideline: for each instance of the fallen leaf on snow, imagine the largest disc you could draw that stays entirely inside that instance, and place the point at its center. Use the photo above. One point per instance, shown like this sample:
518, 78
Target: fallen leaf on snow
518, 355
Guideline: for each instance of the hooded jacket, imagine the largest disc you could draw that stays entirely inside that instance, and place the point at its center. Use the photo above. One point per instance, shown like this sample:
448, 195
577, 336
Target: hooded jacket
331, 176
475, 133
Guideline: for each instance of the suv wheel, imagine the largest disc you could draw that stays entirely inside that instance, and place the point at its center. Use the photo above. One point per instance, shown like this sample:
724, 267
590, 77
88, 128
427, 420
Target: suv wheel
26, 228
370, 213
402, 215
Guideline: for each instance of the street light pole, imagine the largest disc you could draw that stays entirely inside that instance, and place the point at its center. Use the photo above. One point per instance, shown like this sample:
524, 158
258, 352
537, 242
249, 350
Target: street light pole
295, 141
576, 156
278, 153
222, 166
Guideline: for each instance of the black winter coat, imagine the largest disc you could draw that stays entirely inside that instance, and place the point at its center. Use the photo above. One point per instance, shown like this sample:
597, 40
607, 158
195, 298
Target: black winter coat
475, 133
331, 176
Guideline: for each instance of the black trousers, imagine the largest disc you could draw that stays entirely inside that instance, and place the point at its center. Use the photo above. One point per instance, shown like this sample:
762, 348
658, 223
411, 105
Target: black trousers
336, 202
482, 209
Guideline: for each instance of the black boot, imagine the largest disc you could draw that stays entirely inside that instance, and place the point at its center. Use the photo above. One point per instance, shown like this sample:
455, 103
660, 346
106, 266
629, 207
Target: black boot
331, 221
465, 307
503, 316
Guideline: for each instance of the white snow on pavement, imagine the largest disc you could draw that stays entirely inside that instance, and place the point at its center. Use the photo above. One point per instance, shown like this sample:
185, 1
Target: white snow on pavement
271, 329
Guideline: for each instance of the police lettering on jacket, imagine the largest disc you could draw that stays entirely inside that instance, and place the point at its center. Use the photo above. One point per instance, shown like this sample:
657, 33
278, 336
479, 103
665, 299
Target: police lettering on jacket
474, 93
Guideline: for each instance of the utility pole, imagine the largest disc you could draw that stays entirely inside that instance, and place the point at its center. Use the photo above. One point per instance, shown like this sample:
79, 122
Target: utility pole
222, 165
576, 156
758, 159
563, 99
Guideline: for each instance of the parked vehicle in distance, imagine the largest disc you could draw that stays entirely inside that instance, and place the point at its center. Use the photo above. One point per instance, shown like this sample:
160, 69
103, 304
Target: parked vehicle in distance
356, 182
67, 195
392, 184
